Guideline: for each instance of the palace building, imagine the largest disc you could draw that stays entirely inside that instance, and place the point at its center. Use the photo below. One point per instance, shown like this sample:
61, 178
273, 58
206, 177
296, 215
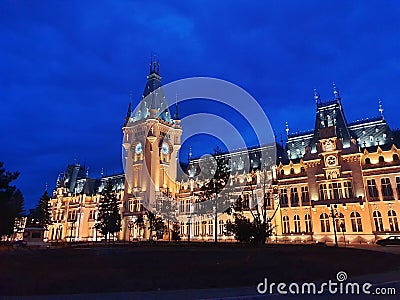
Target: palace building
338, 180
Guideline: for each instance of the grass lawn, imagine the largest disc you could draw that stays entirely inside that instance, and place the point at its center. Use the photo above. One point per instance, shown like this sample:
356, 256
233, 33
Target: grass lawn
146, 267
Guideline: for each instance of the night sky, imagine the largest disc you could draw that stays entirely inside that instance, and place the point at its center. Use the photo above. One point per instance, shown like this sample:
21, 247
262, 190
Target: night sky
67, 68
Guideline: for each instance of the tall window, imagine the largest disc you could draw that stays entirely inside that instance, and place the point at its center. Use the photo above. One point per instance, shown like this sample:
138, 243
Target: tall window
182, 228
284, 197
325, 225
204, 228
377, 220
187, 206
210, 227
398, 187
337, 190
372, 190
294, 196
92, 215
196, 228
323, 192
340, 223
387, 191
297, 227
356, 223
305, 197
182, 206
221, 227
286, 226
394, 226
246, 198
307, 219
131, 205
348, 190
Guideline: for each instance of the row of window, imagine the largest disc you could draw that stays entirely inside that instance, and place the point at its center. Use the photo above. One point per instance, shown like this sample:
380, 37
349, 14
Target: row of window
72, 215
294, 196
378, 221
386, 188
325, 222
202, 228
335, 190
381, 159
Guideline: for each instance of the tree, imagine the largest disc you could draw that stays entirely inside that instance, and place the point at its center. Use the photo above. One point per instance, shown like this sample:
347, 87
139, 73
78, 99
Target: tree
11, 201
260, 227
156, 224
215, 172
109, 218
175, 232
41, 215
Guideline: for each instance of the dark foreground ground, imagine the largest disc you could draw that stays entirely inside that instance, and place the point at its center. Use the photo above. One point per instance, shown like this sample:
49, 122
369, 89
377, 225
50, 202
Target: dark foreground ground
146, 267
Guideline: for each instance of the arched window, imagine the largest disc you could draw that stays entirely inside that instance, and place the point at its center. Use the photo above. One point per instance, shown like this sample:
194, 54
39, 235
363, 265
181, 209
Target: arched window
282, 172
395, 157
131, 205
297, 227
196, 228
367, 161
325, 225
292, 171
307, 219
286, 225
394, 226
377, 216
210, 227
182, 228
340, 223
221, 227
356, 222
381, 159
302, 170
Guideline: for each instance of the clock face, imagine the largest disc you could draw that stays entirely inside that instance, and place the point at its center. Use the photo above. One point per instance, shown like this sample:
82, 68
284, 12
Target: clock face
331, 160
138, 148
165, 148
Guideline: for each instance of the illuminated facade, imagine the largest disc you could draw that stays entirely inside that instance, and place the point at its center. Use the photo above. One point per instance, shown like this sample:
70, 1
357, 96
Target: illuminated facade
341, 176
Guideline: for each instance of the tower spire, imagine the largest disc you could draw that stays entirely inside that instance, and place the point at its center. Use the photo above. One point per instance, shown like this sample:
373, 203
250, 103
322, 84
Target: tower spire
287, 128
317, 98
336, 92
129, 112
381, 108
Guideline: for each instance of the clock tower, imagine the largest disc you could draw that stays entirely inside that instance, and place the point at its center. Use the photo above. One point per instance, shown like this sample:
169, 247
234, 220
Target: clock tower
151, 141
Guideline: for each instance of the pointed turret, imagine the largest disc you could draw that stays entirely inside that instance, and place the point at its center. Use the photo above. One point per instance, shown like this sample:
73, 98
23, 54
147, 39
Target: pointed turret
129, 112
153, 103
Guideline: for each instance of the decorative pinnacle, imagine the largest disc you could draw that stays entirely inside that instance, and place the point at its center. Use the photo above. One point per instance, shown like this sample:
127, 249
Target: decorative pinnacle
317, 98
380, 108
336, 92
176, 116
287, 128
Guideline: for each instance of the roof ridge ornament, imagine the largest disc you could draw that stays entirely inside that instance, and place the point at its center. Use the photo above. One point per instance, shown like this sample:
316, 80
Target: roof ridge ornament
381, 108
336, 92
287, 128
317, 97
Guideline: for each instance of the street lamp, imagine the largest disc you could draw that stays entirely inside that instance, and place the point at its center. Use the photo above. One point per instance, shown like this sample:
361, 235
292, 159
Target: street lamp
334, 216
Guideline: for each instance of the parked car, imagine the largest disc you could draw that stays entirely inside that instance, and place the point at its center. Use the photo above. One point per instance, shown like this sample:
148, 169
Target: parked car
19, 244
391, 240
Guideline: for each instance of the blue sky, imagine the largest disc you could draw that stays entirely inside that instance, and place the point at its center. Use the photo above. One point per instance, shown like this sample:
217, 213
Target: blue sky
67, 68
